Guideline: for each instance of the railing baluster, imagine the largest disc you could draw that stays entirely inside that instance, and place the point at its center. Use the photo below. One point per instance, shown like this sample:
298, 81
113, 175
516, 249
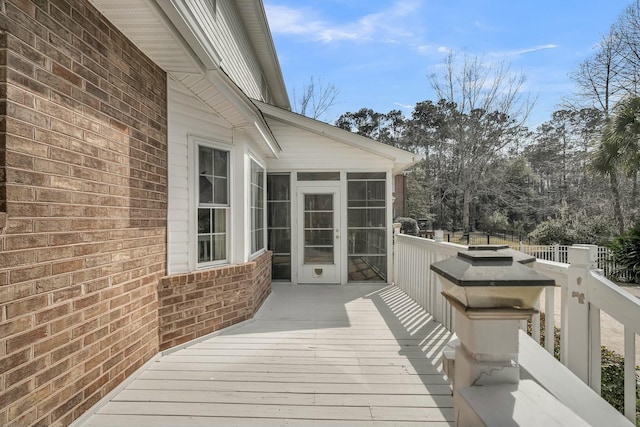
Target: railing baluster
549, 319
535, 323
564, 331
423, 273
595, 358
630, 374
413, 275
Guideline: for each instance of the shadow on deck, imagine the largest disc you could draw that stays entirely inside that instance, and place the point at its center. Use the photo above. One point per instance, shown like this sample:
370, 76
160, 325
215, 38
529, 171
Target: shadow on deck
357, 355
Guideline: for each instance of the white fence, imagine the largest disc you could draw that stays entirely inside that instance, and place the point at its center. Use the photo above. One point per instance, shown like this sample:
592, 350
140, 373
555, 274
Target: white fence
559, 253
584, 294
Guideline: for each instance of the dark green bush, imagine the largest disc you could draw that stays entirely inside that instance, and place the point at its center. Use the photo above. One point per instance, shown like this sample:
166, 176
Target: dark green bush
625, 254
570, 227
408, 226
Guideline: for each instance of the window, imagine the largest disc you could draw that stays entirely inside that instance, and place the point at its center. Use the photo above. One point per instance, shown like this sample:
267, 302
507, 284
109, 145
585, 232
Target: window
257, 207
318, 176
366, 226
279, 225
318, 229
213, 205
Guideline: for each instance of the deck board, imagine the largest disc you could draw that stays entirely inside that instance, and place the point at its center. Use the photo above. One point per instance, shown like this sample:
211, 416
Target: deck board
179, 368
351, 356
304, 377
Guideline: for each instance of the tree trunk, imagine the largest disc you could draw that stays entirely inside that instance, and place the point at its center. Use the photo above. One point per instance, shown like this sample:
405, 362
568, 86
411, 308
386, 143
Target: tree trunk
466, 205
634, 197
634, 190
617, 205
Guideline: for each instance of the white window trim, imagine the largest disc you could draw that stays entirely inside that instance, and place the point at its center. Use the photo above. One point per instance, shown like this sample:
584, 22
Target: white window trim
263, 249
194, 142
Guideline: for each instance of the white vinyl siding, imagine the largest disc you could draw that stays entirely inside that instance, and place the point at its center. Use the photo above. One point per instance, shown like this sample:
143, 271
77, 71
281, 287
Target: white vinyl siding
211, 7
186, 116
230, 41
303, 150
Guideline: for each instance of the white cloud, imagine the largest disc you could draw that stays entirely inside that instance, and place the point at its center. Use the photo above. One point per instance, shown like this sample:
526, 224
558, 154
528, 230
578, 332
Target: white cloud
287, 20
386, 25
484, 26
428, 49
524, 51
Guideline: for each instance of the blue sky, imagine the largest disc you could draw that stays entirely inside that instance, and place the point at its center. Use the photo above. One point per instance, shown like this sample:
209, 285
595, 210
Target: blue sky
379, 53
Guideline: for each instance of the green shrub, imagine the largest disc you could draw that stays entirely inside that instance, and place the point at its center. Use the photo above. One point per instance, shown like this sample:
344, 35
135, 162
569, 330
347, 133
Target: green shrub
408, 226
570, 227
625, 253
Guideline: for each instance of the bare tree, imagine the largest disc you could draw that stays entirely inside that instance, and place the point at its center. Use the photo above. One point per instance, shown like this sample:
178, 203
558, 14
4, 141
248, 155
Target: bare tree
316, 98
474, 84
600, 78
606, 78
486, 113
628, 31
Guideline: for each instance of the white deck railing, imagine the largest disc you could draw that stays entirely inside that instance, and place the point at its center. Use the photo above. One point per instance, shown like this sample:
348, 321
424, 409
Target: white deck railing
559, 253
413, 257
584, 294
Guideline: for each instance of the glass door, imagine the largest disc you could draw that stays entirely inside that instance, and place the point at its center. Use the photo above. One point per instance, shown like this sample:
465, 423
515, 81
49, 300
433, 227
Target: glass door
319, 235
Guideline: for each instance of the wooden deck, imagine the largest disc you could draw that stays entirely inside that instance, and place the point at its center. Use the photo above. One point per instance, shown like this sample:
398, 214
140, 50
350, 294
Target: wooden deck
315, 356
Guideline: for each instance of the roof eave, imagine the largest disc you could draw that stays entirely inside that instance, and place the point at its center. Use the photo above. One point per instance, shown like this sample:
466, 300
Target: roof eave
248, 109
402, 159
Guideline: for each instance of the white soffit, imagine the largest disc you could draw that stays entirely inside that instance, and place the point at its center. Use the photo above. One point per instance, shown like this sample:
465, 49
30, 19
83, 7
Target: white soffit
145, 26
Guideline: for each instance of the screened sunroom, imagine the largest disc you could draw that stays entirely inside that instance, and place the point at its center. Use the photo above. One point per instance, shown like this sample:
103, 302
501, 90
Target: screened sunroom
329, 202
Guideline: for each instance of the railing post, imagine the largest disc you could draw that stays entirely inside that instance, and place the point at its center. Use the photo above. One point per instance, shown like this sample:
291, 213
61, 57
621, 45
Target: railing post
394, 273
556, 252
574, 344
438, 236
595, 341
487, 329
593, 254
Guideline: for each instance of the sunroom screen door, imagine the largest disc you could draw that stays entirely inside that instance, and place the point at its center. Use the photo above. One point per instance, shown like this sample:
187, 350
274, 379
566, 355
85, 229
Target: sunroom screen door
319, 235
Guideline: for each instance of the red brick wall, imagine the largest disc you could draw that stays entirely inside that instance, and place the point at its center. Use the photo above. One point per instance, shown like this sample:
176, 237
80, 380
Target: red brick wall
261, 281
83, 185
196, 304
399, 202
